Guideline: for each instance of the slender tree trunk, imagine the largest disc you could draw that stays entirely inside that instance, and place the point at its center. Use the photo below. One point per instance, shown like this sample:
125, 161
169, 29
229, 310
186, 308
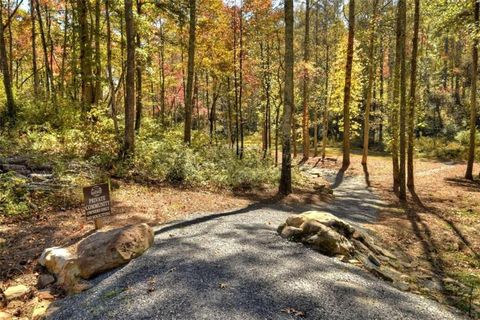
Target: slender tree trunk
98, 62
266, 81
240, 94
317, 63
73, 59
45, 50
34, 49
382, 102
348, 85
293, 126
7, 82
51, 59
229, 116
187, 138
162, 79
286, 173
396, 101
87, 97
64, 51
473, 102
10, 40
111, 84
280, 97
306, 57
403, 99
371, 51
325, 110
412, 101
139, 85
327, 90
129, 140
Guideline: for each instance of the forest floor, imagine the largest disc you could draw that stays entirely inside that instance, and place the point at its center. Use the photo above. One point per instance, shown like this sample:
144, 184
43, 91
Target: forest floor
25, 237
439, 228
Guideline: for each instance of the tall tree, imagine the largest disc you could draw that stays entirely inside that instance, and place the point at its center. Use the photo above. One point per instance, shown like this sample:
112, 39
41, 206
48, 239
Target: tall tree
129, 139
413, 99
348, 85
240, 93
48, 73
306, 57
111, 84
371, 62
98, 61
402, 11
86, 75
7, 81
34, 50
286, 173
473, 97
396, 101
139, 70
187, 137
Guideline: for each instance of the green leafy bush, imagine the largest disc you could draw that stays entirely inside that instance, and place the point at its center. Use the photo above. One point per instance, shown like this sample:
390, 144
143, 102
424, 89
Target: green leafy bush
164, 157
13, 194
463, 137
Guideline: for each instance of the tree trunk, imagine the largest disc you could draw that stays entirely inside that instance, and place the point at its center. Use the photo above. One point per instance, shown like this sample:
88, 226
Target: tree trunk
235, 84
34, 50
139, 70
87, 96
306, 57
396, 100
240, 89
45, 50
113, 107
473, 101
162, 79
403, 99
317, 64
412, 101
64, 51
371, 51
129, 140
98, 63
187, 138
286, 173
348, 85
7, 81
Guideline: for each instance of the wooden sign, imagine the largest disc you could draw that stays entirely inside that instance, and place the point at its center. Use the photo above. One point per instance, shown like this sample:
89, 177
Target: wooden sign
97, 201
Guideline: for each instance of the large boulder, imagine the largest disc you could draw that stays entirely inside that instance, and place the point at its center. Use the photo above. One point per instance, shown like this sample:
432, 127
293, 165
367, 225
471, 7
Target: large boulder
97, 253
332, 236
322, 230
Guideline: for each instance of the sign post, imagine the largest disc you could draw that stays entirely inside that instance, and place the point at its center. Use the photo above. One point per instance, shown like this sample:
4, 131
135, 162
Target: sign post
97, 203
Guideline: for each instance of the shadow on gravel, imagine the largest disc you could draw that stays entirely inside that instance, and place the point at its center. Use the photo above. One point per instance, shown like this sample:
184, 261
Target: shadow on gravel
242, 270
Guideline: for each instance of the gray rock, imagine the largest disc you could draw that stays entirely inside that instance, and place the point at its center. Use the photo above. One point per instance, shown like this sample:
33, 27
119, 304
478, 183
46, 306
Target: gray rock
21, 169
44, 280
41, 177
289, 232
374, 260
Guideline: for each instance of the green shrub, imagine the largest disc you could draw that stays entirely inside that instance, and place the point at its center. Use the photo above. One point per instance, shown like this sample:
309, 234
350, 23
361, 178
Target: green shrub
13, 194
164, 157
463, 137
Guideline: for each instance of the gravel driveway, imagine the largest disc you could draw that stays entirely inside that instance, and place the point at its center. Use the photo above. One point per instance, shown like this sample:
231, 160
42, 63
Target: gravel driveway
233, 265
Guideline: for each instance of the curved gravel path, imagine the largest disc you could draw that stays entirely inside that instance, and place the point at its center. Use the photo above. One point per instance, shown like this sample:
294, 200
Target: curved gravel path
233, 265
